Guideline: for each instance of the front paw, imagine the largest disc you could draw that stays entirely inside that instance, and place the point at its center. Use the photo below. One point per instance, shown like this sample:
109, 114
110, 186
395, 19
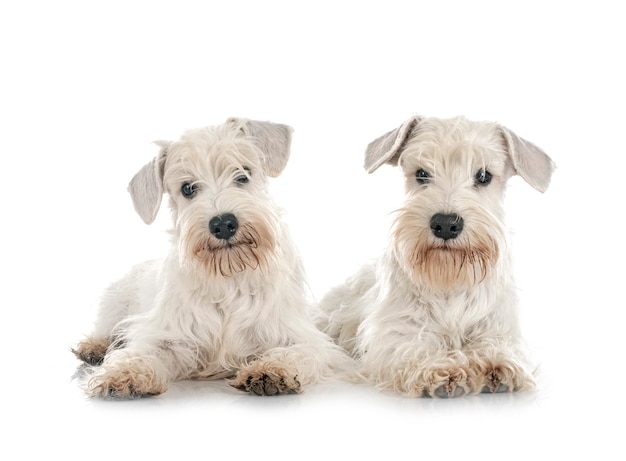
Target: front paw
266, 379
447, 382
129, 379
92, 350
502, 376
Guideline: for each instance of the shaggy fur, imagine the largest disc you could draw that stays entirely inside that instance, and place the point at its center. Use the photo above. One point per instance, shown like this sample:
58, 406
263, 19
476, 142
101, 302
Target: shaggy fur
436, 314
233, 306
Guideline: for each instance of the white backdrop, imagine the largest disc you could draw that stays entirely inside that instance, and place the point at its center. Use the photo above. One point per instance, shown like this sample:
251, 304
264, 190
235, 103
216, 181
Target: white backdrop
84, 90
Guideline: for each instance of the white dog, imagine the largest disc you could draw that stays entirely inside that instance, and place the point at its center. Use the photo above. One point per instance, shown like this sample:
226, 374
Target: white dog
229, 299
436, 315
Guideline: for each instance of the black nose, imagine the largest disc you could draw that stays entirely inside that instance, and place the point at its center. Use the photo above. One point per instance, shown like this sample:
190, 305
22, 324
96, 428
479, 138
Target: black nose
446, 226
223, 226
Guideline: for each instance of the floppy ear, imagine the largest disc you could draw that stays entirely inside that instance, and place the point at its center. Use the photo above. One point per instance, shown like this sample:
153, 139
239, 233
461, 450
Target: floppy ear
530, 162
146, 187
388, 147
273, 139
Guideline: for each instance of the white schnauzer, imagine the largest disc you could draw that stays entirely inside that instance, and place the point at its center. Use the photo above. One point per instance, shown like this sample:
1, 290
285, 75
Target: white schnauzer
229, 300
436, 314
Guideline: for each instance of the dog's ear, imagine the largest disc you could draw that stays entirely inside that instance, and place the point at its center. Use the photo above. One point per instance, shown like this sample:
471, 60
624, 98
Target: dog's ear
388, 147
273, 139
146, 187
529, 161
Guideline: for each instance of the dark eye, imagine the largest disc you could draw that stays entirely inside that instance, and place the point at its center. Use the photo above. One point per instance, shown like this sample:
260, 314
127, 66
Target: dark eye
188, 190
244, 177
482, 178
422, 176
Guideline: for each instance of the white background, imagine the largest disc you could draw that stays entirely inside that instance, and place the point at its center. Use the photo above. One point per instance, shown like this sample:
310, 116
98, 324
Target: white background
85, 88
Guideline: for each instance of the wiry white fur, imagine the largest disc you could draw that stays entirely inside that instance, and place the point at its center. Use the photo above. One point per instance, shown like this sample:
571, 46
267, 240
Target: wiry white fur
437, 324
188, 316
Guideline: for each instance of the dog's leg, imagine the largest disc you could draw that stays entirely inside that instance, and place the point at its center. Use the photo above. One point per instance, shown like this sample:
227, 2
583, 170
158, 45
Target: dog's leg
126, 377
447, 376
92, 349
404, 365
439, 375
479, 369
286, 370
268, 376
411, 368
141, 368
119, 300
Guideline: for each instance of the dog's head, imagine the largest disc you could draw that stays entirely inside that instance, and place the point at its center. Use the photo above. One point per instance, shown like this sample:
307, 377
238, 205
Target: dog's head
216, 179
450, 232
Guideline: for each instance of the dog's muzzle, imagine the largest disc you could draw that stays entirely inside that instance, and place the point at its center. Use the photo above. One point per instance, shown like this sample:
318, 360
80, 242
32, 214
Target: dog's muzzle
223, 226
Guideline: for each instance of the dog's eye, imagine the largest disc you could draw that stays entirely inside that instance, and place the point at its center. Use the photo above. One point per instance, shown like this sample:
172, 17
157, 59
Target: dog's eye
482, 178
188, 190
244, 177
422, 176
